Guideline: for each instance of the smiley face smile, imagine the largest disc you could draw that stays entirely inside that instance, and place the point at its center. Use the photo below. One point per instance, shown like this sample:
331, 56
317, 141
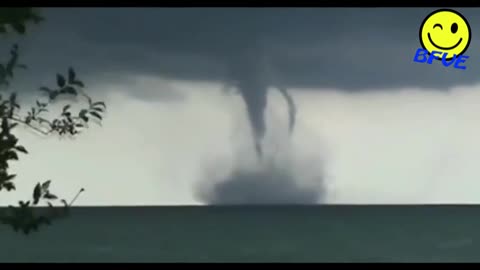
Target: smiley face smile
444, 48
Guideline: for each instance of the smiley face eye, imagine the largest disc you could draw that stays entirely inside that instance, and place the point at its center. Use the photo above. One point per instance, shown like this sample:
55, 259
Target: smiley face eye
454, 28
438, 25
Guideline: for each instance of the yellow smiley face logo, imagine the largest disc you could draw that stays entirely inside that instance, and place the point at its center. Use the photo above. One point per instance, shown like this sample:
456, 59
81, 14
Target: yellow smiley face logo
445, 31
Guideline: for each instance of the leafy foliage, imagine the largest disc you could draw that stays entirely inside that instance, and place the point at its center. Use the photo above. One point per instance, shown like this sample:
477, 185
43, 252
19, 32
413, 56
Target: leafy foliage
16, 19
24, 217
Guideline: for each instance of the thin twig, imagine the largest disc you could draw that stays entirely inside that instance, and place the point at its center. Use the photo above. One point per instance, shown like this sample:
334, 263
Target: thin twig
29, 125
75, 198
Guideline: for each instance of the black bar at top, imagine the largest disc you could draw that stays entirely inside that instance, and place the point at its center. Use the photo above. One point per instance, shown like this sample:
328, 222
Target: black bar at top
243, 3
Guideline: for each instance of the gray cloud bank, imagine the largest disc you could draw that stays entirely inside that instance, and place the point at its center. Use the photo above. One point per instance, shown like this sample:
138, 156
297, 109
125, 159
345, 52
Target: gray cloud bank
306, 47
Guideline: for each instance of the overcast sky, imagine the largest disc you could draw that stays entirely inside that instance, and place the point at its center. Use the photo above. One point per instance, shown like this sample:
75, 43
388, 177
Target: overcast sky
372, 126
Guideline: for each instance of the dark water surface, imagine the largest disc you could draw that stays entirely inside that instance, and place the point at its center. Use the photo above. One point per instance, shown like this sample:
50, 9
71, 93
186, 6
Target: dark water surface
253, 234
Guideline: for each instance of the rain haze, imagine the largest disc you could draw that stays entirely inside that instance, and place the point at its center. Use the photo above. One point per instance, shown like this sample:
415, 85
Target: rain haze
263, 106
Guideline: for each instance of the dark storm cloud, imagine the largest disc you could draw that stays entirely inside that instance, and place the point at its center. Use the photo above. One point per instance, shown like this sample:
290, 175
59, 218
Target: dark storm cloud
344, 49
349, 49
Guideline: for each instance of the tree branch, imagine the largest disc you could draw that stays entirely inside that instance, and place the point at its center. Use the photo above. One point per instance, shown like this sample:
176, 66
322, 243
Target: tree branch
18, 120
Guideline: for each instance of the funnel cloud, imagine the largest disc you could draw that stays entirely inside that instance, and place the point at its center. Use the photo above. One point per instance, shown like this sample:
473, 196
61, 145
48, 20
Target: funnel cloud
251, 75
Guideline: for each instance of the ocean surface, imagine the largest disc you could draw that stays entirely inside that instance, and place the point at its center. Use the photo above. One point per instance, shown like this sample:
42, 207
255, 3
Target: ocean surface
253, 234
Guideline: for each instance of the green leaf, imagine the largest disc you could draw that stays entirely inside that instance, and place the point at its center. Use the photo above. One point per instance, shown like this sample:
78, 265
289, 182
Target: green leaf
89, 100
50, 196
21, 149
9, 186
96, 115
11, 155
53, 95
37, 193
19, 27
71, 75
13, 98
11, 64
60, 80
10, 177
69, 90
101, 103
66, 108
46, 184
83, 115
36, 18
